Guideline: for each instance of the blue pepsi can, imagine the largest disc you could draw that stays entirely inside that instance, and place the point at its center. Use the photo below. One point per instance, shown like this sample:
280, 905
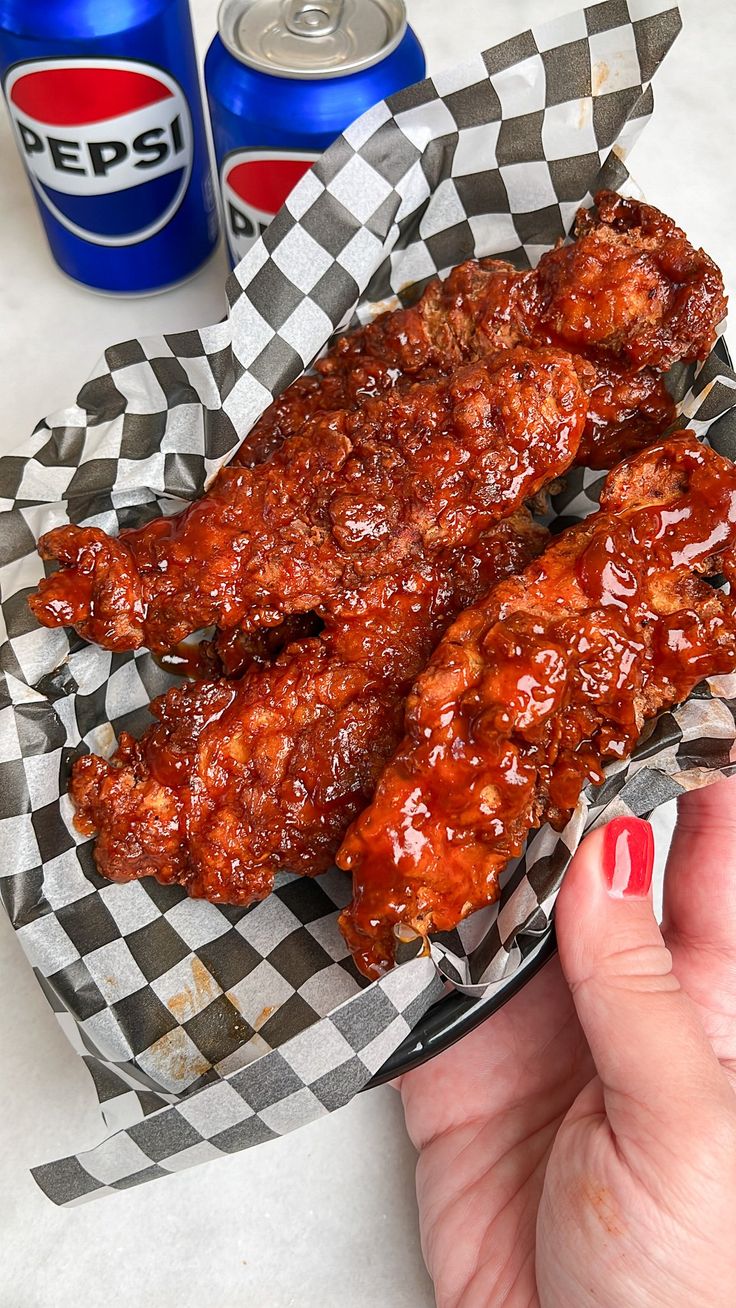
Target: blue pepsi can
105, 105
284, 78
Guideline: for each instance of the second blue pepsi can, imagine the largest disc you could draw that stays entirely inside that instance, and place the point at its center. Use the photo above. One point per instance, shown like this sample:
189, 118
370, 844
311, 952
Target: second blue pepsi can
106, 110
284, 78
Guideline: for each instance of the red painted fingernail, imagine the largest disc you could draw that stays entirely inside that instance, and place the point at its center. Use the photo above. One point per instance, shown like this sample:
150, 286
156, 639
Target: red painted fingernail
628, 857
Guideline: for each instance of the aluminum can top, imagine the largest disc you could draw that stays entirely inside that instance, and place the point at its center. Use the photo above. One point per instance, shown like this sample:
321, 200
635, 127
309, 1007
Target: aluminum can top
311, 38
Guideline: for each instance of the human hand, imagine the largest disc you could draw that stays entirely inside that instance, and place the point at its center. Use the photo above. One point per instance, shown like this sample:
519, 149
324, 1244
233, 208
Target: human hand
580, 1148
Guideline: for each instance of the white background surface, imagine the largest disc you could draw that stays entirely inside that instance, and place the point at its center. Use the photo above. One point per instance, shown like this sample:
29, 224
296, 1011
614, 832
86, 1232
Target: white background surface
325, 1217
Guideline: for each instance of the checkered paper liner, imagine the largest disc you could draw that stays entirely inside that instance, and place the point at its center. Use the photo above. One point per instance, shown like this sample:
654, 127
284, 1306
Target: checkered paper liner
208, 1029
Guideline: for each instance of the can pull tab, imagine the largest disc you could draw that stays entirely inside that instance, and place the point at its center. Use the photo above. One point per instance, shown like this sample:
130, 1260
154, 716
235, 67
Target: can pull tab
312, 17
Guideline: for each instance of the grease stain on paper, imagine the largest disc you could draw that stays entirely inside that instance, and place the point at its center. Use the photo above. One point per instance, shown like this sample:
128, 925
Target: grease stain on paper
264, 1015
585, 112
174, 1061
192, 998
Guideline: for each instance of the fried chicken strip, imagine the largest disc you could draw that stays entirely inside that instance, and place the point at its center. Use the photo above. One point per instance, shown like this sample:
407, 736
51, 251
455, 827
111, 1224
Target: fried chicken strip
237, 780
627, 412
631, 293
353, 498
630, 287
535, 688
628, 408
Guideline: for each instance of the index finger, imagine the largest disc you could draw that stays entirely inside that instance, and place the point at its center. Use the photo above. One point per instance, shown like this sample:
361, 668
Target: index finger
699, 923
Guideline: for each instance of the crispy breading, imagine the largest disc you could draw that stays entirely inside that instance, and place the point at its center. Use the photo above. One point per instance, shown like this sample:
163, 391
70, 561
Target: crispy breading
531, 691
238, 779
354, 497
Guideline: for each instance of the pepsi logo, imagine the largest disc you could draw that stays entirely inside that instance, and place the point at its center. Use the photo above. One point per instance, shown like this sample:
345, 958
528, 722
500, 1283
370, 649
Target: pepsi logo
107, 143
255, 184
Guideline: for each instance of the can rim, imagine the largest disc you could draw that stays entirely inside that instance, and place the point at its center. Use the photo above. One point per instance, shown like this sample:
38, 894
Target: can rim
226, 32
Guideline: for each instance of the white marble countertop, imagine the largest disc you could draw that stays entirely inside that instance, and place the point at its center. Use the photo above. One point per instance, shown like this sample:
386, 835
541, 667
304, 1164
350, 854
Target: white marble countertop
325, 1217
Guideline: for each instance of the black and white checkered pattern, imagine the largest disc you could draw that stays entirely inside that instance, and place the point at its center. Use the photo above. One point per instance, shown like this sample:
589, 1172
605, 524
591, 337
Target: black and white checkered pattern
313, 1073
209, 1029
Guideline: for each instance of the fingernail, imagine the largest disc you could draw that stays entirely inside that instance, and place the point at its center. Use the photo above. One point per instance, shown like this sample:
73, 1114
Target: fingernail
628, 857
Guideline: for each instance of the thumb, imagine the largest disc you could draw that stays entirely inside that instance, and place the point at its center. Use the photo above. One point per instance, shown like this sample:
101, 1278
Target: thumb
652, 1055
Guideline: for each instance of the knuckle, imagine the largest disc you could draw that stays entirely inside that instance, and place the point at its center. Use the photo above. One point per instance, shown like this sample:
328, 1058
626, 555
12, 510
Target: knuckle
641, 965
